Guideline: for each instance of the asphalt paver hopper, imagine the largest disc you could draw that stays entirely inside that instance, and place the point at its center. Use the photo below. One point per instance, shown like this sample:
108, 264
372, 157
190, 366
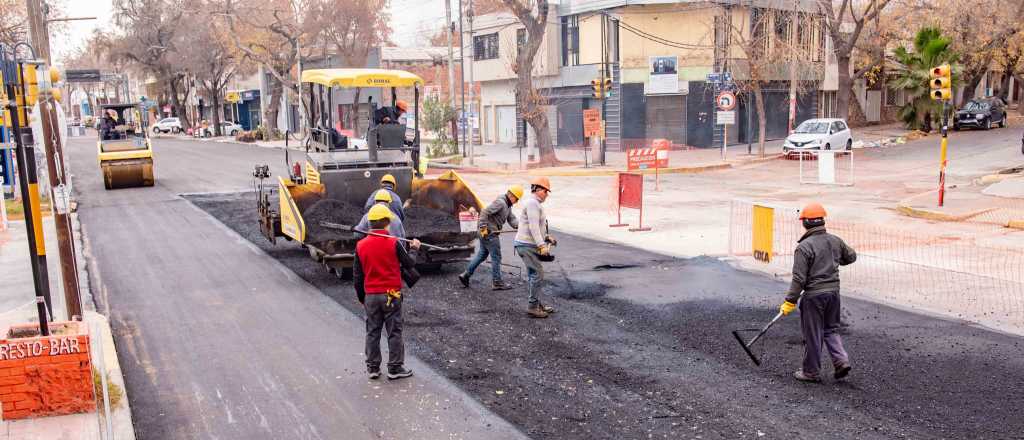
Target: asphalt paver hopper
124, 149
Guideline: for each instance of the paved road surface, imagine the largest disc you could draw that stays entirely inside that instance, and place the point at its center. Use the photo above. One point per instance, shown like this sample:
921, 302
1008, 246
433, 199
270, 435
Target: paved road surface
217, 340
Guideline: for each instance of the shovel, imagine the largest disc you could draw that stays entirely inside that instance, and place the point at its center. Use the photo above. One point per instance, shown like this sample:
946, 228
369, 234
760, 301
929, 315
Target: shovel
352, 229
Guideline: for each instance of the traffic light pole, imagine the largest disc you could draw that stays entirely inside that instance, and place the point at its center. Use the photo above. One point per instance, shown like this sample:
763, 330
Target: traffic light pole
26, 157
942, 152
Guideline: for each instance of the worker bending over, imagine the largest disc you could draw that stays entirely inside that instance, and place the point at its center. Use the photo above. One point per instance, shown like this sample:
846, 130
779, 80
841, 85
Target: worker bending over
816, 264
387, 182
395, 228
533, 243
380, 266
492, 220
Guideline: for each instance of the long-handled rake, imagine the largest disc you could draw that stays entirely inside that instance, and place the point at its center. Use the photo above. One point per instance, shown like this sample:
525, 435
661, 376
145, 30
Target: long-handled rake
760, 332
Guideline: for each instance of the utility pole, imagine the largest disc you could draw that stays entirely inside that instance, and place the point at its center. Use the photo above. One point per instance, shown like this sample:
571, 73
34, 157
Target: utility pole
451, 53
466, 145
38, 29
59, 199
794, 22
472, 87
603, 69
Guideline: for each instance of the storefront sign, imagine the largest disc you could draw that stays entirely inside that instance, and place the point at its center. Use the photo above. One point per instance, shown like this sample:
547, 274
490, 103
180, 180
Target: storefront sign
663, 78
39, 347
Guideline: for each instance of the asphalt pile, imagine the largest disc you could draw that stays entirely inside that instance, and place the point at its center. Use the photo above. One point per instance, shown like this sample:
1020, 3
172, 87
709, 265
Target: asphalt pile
420, 221
330, 211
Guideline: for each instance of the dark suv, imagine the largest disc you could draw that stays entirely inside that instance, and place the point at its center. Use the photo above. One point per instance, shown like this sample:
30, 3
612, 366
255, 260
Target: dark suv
981, 113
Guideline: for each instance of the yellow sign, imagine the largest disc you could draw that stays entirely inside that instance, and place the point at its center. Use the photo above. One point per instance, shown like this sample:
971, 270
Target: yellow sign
232, 97
763, 233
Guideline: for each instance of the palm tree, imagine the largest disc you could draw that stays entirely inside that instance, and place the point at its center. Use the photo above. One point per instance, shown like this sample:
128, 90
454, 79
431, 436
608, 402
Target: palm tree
913, 72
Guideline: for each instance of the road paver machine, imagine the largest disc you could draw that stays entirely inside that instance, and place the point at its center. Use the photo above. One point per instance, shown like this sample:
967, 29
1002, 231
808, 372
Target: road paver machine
323, 198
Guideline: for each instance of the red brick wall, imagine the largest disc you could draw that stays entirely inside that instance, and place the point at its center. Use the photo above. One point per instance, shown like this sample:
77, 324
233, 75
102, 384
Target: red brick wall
44, 376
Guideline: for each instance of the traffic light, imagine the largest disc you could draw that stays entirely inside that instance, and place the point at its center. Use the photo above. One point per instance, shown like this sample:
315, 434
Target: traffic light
607, 87
596, 85
941, 83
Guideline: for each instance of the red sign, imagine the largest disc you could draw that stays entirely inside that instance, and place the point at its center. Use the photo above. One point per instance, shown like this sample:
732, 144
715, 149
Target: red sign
591, 122
726, 100
654, 157
631, 190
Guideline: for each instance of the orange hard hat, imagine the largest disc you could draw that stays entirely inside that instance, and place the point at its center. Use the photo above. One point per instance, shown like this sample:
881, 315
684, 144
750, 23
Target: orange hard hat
402, 105
813, 210
542, 182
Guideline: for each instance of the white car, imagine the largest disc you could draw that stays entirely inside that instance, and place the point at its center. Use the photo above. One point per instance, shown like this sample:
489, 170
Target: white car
819, 134
167, 125
227, 128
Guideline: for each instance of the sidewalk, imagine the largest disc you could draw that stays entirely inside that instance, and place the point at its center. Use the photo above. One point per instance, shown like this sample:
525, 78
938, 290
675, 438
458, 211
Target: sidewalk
580, 162
17, 305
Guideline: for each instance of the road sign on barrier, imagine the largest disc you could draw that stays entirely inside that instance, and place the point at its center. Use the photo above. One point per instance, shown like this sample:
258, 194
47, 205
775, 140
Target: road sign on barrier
644, 158
763, 232
631, 195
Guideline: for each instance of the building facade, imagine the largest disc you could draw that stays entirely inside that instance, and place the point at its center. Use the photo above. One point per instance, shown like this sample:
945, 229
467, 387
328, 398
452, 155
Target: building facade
659, 55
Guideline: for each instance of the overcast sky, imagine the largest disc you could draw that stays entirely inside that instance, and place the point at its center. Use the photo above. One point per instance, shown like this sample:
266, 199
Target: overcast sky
412, 22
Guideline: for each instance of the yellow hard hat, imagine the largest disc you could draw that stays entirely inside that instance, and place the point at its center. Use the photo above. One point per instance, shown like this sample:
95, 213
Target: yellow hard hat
516, 190
378, 212
388, 179
56, 94
382, 195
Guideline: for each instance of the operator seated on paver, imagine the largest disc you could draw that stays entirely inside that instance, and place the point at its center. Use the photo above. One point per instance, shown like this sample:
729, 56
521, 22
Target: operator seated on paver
492, 220
390, 115
380, 267
816, 264
533, 244
387, 182
395, 227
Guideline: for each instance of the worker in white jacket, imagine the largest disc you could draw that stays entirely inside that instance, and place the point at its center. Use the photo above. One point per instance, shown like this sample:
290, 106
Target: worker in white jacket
533, 243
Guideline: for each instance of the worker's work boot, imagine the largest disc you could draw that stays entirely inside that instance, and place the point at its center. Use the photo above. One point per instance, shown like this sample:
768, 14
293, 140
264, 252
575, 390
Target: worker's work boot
464, 279
842, 371
547, 309
398, 373
799, 375
374, 373
536, 312
500, 285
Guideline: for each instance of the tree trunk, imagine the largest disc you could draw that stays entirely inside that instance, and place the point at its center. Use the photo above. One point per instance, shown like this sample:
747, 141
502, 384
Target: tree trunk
176, 105
216, 114
845, 92
1019, 82
762, 118
1004, 87
273, 107
353, 114
969, 89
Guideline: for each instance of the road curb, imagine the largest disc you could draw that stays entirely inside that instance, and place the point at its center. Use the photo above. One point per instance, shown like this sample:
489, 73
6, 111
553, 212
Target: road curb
928, 214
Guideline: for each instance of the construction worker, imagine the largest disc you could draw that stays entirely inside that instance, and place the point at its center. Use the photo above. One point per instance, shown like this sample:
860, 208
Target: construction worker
492, 219
533, 243
387, 182
390, 115
395, 227
815, 285
380, 267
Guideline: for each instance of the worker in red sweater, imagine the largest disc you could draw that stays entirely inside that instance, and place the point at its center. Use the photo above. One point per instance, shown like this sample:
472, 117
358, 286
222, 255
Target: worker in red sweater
380, 266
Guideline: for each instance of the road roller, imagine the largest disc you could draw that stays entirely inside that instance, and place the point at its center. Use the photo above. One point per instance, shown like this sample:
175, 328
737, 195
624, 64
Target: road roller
124, 149
323, 197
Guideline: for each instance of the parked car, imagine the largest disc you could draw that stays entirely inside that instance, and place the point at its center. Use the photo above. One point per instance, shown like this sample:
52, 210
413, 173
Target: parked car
227, 128
819, 134
167, 125
981, 113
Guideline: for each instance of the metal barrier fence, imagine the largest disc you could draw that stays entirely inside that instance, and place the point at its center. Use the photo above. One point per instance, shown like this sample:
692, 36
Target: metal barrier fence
952, 275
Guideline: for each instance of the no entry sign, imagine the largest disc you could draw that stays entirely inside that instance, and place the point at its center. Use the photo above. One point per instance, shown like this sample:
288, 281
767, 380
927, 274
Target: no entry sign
726, 100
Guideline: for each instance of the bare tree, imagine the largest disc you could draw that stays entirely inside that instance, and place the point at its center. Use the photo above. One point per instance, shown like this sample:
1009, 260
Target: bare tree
763, 38
533, 14
213, 60
13, 22
980, 30
844, 41
272, 34
149, 33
